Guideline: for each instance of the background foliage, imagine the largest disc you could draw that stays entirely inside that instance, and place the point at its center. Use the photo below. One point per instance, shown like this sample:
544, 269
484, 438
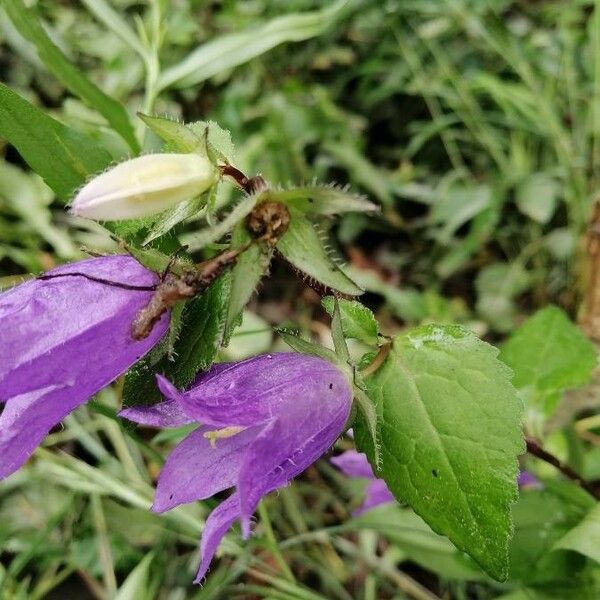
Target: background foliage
474, 125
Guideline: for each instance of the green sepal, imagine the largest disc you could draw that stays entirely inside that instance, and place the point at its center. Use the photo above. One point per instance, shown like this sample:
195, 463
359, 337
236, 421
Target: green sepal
358, 322
178, 136
323, 200
304, 250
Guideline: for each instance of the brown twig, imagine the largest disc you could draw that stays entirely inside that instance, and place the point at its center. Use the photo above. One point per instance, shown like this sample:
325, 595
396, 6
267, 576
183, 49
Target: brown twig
536, 450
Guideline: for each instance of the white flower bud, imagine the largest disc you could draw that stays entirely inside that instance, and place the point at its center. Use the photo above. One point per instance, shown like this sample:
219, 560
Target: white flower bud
144, 186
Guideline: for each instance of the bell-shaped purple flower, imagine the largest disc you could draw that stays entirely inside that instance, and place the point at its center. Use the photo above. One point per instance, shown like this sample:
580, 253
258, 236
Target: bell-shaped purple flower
64, 337
527, 480
264, 421
355, 464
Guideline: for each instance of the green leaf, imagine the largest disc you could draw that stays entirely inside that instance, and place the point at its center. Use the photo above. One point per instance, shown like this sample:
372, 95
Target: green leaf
115, 23
245, 276
178, 136
303, 249
324, 200
28, 25
410, 533
219, 139
450, 431
497, 287
358, 322
27, 195
367, 418
63, 157
337, 334
542, 518
548, 355
151, 258
136, 585
536, 196
303, 346
228, 51
585, 537
201, 333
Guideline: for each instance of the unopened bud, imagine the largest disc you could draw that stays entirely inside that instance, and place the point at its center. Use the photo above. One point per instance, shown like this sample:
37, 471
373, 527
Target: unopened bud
144, 186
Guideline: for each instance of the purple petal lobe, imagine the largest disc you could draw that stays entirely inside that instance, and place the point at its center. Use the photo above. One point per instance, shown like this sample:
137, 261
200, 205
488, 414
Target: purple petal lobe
310, 419
62, 340
376, 493
218, 523
528, 480
163, 414
255, 390
353, 464
195, 470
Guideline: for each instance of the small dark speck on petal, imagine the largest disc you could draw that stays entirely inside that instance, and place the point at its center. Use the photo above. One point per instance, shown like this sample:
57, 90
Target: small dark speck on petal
171, 497
434, 472
331, 386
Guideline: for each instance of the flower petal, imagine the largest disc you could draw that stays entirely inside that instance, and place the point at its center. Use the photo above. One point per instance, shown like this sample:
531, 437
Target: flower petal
377, 493
195, 470
144, 185
316, 411
218, 523
163, 414
62, 340
255, 390
275, 458
353, 464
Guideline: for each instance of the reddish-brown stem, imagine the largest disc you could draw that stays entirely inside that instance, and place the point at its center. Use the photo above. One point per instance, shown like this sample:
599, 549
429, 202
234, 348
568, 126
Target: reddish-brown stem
248, 184
536, 450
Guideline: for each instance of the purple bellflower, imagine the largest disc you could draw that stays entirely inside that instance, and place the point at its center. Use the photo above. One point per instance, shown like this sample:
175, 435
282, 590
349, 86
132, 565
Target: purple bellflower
264, 421
527, 480
63, 337
355, 464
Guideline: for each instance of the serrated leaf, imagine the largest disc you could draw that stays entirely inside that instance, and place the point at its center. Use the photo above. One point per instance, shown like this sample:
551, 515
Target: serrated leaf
585, 537
303, 249
450, 431
245, 276
27, 23
219, 139
324, 200
178, 136
63, 157
201, 333
549, 354
358, 322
